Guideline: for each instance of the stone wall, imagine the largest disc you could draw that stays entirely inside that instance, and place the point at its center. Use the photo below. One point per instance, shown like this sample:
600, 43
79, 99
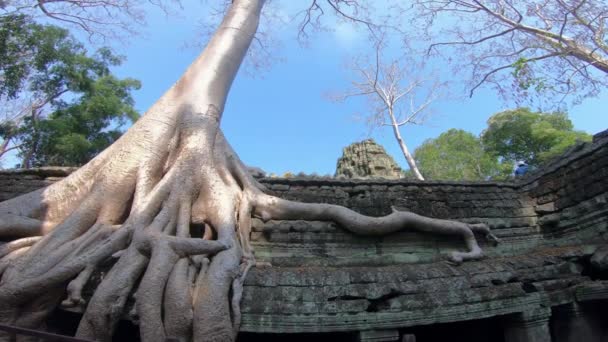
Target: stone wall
570, 196
289, 243
296, 243
17, 182
537, 283
324, 279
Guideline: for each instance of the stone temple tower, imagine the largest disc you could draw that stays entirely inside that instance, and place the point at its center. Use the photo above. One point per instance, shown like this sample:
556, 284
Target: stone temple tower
367, 159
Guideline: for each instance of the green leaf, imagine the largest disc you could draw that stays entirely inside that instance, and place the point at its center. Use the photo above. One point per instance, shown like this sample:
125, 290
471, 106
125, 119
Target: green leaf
535, 137
455, 155
87, 105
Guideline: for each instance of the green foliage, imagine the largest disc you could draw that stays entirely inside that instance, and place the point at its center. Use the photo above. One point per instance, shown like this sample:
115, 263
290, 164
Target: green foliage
535, 137
524, 75
15, 40
511, 136
77, 106
76, 132
455, 155
30, 53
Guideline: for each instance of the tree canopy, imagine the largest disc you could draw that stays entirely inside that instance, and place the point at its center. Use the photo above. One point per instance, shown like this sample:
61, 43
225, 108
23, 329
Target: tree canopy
511, 136
546, 50
456, 155
533, 137
62, 105
99, 20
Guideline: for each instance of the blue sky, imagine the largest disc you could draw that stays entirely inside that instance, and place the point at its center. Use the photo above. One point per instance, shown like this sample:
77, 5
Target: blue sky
281, 121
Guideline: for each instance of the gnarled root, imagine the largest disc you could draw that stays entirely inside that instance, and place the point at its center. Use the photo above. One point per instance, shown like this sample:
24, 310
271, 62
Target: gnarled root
188, 288
12, 246
75, 288
269, 207
173, 168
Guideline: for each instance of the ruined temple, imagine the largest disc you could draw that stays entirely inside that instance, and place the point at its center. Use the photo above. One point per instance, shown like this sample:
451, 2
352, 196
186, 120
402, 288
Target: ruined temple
546, 280
367, 159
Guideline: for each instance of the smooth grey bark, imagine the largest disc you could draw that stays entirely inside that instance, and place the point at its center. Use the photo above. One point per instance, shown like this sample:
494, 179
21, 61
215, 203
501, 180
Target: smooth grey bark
136, 202
406, 153
386, 86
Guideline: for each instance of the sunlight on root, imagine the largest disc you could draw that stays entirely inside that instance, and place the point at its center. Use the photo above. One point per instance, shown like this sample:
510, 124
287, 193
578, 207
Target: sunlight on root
75, 288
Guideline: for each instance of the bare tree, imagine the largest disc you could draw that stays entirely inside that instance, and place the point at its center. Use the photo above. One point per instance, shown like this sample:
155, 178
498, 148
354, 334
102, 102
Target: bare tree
107, 19
15, 112
397, 95
140, 201
555, 47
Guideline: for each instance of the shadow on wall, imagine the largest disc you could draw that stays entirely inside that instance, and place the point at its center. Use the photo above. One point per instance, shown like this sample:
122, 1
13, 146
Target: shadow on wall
483, 330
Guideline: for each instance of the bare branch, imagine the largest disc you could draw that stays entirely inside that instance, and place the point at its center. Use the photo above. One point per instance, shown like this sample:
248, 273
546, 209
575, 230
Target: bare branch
490, 36
99, 19
357, 12
384, 86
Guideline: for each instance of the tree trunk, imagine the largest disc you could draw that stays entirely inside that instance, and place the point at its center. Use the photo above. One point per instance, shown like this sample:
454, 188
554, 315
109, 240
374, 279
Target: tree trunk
406, 153
137, 201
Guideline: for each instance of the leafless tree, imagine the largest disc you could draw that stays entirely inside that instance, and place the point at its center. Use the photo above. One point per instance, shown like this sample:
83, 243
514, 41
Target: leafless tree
137, 201
397, 93
558, 48
32, 105
14, 112
105, 19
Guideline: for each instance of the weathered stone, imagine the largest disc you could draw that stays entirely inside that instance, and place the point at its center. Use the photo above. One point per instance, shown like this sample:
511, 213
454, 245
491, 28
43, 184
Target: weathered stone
324, 279
599, 260
529, 326
378, 336
367, 159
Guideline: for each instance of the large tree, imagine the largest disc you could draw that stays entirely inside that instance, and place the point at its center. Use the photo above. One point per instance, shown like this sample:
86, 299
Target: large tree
138, 200
456, 155
58, 100
78, 130
549, 48
533, 137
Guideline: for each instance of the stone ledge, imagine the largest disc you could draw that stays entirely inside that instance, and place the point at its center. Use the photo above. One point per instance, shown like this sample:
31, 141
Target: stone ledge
47, 171
324, 299
309, 299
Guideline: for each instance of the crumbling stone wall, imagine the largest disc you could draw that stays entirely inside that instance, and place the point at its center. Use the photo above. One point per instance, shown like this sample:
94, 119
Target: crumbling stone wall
326, 280
289, 243
570, 195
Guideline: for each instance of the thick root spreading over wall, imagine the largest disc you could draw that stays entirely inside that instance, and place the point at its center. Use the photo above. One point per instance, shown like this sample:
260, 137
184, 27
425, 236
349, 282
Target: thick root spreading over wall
180, 233
172, 203
186, 281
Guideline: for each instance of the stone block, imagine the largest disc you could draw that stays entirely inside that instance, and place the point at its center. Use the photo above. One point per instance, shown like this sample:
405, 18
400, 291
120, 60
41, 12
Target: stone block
378, 336
528, 326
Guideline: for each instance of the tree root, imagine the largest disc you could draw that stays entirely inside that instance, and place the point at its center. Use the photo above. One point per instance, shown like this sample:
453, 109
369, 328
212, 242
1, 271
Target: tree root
187, 287
13, 225
7, 260
270, 207
75, 288
12, 246
137, 201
